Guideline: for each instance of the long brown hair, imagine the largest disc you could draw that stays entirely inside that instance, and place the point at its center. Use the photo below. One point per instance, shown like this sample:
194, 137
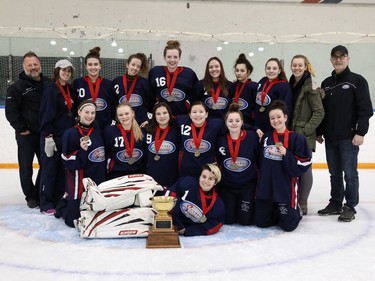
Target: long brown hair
282, 75
223, 81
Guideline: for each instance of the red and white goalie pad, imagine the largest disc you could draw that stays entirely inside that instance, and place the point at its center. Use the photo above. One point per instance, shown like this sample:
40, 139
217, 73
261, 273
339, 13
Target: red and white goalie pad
119, 193
130, 222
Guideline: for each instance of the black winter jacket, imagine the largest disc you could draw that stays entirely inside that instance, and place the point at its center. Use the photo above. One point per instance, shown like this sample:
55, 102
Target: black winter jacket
22, 104
347, 106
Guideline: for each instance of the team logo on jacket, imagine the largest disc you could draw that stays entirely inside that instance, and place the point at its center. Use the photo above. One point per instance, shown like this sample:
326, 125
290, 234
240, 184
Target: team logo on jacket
124, 157
272, 152
191, 211
177, 94
97, 155
166, 147
345, 87
135, 100
221, 103
241, 164
101, 104
203, 147
267, 99
242, 104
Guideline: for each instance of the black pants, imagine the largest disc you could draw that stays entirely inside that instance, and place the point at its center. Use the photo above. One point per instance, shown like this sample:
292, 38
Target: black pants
52, 177
28, 147
239, 204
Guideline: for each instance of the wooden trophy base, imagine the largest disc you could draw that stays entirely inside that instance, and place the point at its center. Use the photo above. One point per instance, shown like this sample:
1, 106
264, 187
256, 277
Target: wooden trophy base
163, 239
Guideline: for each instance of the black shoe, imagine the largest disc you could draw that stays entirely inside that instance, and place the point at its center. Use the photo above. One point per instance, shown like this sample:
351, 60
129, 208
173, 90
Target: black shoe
331, 209
33, 204
348, 214
59, 210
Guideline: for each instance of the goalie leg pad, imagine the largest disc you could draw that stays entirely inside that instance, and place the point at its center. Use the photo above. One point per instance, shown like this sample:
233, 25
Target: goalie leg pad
92, 198
132, 222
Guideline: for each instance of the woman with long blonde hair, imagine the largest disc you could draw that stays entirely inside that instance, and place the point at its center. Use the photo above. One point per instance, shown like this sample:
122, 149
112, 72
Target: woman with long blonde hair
308, 113
125, 144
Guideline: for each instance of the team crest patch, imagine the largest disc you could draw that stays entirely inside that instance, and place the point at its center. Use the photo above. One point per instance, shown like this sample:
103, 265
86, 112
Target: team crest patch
134, 101
221, 103
177, 94
258, 101
271, 152
97, 155
345, 87
191, 211
124, 157
203, 147
101, 104
166, 147
241, 164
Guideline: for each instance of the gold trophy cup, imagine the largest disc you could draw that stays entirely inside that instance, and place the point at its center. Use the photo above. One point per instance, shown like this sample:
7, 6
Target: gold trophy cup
162, 233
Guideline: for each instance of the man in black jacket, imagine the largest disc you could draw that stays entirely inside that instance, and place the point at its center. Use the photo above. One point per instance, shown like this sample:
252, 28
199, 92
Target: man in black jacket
22, 111
348, 108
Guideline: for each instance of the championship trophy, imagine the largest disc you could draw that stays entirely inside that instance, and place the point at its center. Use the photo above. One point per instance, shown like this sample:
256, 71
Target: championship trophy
162, 233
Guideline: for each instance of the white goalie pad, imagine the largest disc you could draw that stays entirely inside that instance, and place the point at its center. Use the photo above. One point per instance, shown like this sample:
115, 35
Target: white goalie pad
119, 193
130, 222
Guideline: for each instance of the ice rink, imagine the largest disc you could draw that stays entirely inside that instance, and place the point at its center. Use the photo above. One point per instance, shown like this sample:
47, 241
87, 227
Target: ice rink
37, 247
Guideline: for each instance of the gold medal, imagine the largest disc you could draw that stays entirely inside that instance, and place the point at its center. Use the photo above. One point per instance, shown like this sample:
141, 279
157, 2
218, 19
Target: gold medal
262, 109
85, 138
203, 219
234, 166
170, 98
157, 157
131, 161
279, 144
214, 106
197, 153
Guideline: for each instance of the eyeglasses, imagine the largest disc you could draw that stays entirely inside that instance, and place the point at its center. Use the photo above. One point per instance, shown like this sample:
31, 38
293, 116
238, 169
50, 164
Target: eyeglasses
340, 57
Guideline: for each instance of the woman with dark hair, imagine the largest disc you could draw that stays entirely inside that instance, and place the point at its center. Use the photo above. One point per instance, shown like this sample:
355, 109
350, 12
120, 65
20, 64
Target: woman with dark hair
93, 86
173, 83
162, 140
134, 89
198, 135
83, 156
57, 114
236, 153
274, 86
213, 88
243, 91
284, 157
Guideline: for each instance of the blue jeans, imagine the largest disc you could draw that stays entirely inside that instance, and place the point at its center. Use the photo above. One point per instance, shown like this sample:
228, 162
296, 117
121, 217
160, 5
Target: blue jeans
342, 159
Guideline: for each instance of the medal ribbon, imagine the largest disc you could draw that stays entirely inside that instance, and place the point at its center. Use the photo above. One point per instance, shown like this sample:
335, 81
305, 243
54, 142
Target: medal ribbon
170, 85
81, 131
132, 86
129, 147
286, 137
159, 140
66, 95
239, 90
94, 93
206, 209
266, 88
197, 140
234, 152
215, 94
